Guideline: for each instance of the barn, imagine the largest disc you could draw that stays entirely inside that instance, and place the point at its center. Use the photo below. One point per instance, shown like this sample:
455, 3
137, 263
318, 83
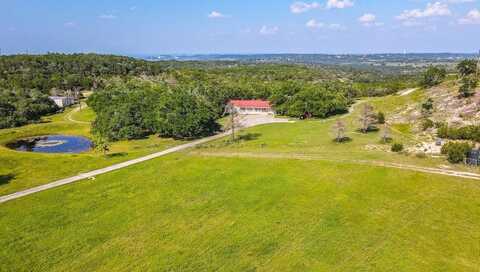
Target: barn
252, 107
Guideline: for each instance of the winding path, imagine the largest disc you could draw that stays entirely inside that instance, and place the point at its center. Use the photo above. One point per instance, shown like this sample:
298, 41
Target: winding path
430, 170
69, 117
247, 123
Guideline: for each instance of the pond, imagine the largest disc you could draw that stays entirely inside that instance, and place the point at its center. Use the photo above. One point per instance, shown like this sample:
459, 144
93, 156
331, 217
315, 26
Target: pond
52, 144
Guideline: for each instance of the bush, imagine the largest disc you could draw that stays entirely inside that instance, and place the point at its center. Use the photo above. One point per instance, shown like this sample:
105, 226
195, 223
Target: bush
427, 123
381, 118
456, 152
433, 76
427, 106
468, 85
471, 133
397, 147
421, 155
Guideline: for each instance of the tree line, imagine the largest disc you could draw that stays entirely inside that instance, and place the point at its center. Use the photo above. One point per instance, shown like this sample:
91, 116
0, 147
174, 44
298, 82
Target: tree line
295, 90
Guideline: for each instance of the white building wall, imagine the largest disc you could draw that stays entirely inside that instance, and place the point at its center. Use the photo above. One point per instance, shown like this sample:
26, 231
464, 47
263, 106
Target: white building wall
254, 111
63, 101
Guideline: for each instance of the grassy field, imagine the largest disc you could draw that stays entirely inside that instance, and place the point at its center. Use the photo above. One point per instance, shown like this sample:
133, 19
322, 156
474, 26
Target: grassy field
315, 138
189, 213
21, 170
192, 211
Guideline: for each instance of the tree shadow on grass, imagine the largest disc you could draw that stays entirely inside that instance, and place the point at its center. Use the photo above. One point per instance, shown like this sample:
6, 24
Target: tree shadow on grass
249, 137
116, 155
343, 140
5, 179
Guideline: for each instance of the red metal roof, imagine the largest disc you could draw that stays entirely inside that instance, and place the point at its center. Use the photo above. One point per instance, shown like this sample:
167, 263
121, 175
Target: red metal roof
251, 103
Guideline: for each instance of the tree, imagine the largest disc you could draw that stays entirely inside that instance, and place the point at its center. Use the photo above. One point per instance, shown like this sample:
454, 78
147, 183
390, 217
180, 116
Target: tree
468, 86
101, 144
467, 70
433, 76
386, 134
185, 114
467, 67
367, 118
381, 118
235, 120
339, 129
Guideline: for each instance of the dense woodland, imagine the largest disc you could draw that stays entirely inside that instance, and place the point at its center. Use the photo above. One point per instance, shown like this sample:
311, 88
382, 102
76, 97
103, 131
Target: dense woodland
134, 98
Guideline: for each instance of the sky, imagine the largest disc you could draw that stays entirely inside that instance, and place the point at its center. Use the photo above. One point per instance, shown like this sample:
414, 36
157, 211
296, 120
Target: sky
239, 27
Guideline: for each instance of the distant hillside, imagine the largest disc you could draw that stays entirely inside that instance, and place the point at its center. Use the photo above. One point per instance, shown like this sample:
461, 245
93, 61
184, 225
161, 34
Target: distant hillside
393, 61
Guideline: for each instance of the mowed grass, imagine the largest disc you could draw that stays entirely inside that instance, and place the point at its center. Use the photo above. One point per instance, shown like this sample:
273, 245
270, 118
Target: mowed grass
191, 213
315, 138
23, 170
86, 114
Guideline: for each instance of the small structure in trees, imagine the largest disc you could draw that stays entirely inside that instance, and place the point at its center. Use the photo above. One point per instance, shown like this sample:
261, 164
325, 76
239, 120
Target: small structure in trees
63, 101
367, 118
252, 107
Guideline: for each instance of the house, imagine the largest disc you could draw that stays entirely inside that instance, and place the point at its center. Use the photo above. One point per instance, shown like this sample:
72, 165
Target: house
63, 101
252, 107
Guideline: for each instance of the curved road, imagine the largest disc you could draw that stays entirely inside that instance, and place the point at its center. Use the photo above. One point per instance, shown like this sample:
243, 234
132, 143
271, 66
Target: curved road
248, 122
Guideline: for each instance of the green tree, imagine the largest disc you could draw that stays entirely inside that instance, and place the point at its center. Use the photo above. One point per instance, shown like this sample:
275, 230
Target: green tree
186, 114
101, 144
381, 118
433, 76
467, 67
468, 86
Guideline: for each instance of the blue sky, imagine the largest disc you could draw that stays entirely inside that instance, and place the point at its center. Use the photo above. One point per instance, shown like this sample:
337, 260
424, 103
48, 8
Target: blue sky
234, 26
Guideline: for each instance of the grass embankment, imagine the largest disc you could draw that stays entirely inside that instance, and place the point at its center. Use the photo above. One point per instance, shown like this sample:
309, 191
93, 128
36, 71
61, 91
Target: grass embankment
22, 170
188, 213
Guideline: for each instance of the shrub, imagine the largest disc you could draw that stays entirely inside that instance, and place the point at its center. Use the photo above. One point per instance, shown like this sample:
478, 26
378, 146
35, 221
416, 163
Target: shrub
421, 155
456, 152
427, 106
381, 118
468, 85
455, 156
427, 123
433, 76
397, 147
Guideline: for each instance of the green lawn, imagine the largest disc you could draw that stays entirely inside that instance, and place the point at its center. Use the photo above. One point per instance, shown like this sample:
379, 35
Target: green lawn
84, 115
21, 170
190, 213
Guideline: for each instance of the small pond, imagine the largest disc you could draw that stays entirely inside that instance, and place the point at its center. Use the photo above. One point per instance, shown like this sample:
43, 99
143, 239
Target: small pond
52, 144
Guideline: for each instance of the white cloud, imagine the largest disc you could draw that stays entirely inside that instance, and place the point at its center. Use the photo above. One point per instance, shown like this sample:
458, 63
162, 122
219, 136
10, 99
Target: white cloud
432, 10
216, 15
107, 16
314, 24
340, 4
472, 18
369, 19
266, 30
301, 7
133, 8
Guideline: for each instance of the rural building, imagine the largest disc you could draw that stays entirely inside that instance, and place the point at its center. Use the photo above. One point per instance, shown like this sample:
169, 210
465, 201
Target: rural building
252, 107
63, 101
